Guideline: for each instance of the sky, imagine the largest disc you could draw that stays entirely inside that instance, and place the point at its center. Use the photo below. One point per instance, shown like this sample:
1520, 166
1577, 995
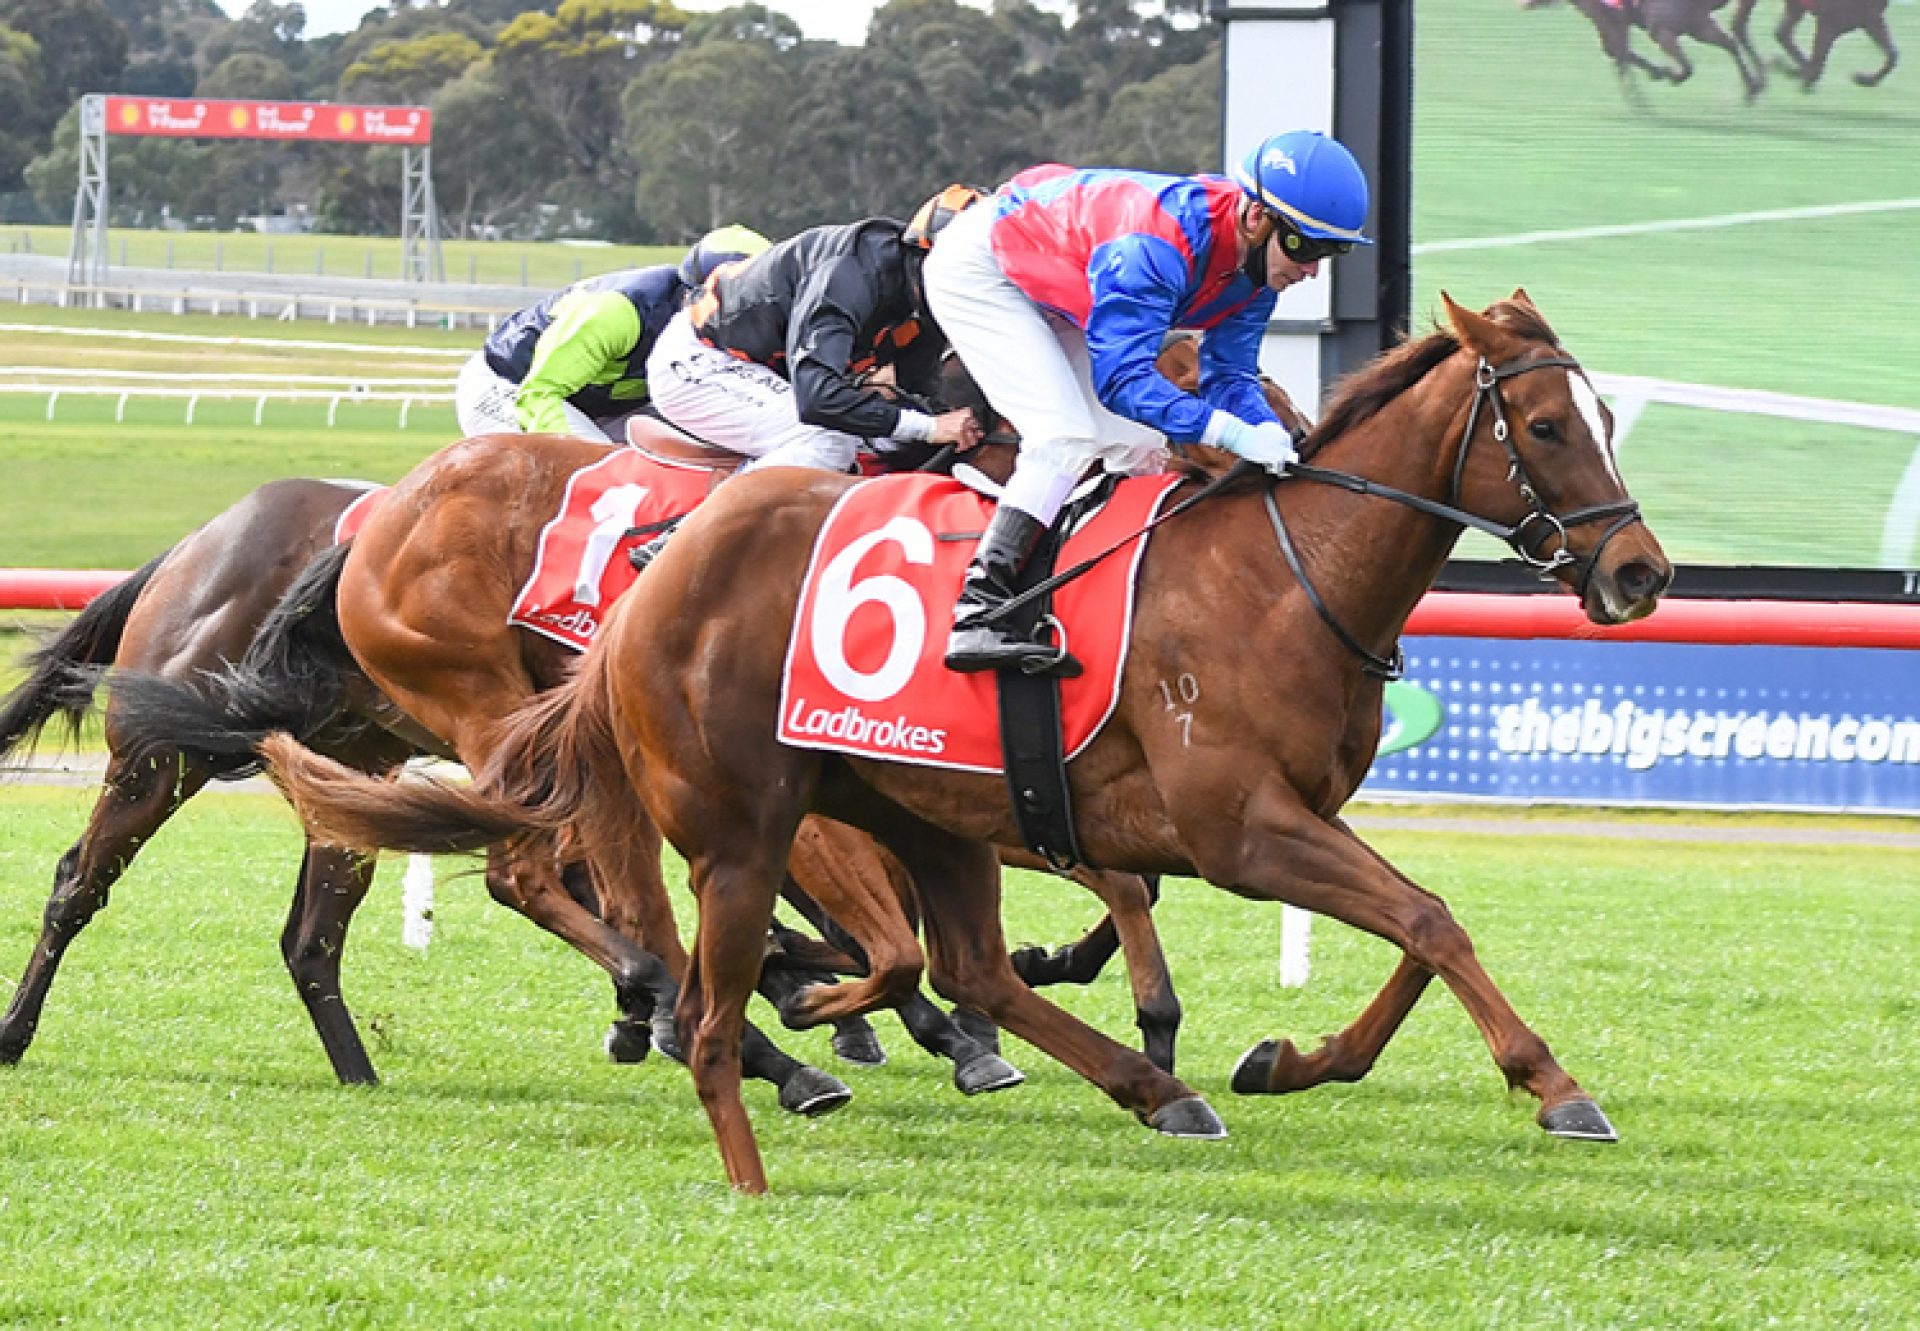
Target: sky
843, 21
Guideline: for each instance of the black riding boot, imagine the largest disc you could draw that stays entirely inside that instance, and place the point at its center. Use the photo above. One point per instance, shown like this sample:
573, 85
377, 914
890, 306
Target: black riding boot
642, 555
979, 643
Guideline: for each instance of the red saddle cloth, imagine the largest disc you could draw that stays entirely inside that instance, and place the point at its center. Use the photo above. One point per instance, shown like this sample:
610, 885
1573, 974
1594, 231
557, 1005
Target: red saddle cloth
864, 673
355, 515
582, 565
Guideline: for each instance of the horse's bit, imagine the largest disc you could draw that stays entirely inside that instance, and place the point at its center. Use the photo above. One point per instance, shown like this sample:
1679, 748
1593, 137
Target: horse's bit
1522, 537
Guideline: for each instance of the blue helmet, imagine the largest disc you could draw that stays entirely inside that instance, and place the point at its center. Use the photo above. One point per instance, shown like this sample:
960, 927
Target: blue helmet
723, 245
1311, 181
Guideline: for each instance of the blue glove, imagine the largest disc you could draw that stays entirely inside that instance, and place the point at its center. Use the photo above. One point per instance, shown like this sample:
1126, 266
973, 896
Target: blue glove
1267, 443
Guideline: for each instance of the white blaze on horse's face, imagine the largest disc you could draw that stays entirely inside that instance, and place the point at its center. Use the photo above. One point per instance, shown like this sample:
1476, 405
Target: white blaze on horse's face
1588, 403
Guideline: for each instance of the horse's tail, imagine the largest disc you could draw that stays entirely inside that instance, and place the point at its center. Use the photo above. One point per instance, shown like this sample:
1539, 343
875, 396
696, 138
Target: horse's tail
62, 674
293, 678
554, 764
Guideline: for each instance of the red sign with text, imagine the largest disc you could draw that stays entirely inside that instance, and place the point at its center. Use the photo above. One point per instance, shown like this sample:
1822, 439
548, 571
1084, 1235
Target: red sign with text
300, 122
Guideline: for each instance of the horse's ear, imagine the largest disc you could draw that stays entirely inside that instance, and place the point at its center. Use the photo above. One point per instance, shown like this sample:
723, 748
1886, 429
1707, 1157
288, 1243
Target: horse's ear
1520, 297
1477, 331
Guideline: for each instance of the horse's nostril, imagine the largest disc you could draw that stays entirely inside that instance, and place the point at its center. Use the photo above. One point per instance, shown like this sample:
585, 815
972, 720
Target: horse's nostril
1639, 580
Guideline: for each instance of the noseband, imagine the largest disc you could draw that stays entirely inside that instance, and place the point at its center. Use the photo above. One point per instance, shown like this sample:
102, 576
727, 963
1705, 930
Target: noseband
1534, 531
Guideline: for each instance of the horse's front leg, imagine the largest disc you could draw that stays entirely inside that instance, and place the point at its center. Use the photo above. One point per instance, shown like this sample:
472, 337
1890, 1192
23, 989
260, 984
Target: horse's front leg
1279, 851
1797, 59
1883, 38
1825, 34
1130, 900
1669, 44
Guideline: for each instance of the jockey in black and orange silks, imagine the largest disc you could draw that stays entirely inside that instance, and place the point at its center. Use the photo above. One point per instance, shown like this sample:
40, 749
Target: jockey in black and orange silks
764, 361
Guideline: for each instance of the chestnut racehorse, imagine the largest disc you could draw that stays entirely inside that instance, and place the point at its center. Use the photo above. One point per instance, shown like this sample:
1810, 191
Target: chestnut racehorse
1283, 601
411, 624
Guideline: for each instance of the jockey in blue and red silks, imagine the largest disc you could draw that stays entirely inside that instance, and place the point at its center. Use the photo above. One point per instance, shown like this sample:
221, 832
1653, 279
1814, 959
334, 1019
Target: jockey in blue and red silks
1057, 297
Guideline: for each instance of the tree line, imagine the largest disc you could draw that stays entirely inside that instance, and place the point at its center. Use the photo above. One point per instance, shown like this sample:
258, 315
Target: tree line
629, 120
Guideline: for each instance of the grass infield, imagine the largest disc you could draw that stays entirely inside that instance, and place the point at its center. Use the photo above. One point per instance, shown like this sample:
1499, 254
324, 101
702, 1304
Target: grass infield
177, 1153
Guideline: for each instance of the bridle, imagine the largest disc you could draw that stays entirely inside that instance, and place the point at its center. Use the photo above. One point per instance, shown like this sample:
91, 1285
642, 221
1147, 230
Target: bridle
1538, 528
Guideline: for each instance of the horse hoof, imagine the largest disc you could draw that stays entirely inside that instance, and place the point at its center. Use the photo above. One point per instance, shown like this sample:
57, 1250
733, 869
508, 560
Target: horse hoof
978, 1027
986, 1072
859, 1045
666, 1037
1253, 1074
812, 1093
1191, 1117
1578, 1120
629, 1041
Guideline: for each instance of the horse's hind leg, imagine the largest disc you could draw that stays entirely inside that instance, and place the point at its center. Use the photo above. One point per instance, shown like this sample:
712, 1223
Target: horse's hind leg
1708, 30
333, 883
527, 879
843, 872
134, 801
634, 897
958, 885
1883, 38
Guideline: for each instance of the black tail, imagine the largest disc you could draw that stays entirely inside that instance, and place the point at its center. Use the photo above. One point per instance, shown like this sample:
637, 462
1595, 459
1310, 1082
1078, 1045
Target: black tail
294, 678
62, 674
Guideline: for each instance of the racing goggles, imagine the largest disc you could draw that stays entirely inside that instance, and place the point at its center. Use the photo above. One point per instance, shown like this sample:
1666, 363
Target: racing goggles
1302, 248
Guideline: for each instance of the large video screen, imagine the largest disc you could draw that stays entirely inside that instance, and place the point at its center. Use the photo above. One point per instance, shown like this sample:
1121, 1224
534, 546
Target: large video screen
1741, 274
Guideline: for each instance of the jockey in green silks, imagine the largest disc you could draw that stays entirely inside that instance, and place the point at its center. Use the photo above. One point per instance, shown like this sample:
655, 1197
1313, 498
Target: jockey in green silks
575, 363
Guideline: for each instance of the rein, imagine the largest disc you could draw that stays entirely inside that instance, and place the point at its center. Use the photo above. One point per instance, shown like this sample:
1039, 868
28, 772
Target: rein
1039, 589
1517, 536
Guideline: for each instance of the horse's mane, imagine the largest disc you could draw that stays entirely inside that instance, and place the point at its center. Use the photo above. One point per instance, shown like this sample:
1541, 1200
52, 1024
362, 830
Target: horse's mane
1368, 389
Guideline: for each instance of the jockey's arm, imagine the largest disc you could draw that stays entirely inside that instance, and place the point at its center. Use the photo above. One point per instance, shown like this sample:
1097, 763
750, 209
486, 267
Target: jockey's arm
1230, 364
591, 332
1138, 283
821, 336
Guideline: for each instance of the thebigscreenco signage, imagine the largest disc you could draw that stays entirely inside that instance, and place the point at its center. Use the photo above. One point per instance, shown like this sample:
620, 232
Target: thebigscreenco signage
1654, 723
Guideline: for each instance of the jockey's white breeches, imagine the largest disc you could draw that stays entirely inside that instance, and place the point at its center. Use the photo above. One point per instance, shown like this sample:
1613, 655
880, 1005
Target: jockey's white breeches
483, 404
1033, 367
738, 405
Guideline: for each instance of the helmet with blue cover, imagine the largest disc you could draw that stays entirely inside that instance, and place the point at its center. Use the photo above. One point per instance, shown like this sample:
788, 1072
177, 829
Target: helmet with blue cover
1313, 191
721, 245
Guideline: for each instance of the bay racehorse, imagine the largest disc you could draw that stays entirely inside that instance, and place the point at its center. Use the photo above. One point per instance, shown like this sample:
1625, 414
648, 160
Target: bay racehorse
185, 621
1665, 22
1282, 601
188, 613
1832, 20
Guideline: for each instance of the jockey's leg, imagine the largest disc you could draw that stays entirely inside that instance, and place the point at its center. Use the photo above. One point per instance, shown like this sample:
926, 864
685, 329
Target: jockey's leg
733, 404
1018, 356
483, 400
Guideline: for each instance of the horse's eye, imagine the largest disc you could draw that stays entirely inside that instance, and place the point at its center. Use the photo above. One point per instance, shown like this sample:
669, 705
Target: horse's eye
1543, 430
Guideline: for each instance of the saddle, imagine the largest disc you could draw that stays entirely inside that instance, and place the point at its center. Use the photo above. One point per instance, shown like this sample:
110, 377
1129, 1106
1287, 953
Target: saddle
657, 439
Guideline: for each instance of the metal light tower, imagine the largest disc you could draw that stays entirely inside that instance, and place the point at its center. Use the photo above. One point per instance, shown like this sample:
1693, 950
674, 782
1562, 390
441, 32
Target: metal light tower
87, 249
